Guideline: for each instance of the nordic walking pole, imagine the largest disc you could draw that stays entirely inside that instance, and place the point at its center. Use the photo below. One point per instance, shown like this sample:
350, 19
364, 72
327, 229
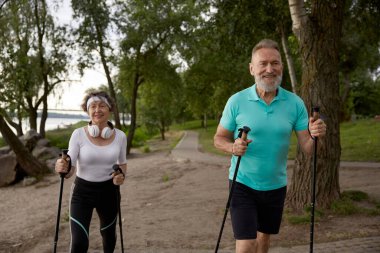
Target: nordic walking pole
62, 175
243, 132
116, 168
315, 111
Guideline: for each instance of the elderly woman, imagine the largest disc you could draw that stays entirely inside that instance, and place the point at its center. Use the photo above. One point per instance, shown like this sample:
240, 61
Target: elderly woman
93, 150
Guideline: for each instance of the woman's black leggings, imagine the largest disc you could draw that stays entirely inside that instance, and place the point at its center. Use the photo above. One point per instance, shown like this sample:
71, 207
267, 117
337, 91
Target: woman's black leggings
85, 197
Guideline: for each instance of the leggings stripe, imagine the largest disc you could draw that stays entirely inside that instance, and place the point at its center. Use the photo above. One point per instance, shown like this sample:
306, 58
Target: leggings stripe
77, 222
109, 224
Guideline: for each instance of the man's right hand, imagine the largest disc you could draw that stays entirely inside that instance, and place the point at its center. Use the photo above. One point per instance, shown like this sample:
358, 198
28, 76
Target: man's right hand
239, 147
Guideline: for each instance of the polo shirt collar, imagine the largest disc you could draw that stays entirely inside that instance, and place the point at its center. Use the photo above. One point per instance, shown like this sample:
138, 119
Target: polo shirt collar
255, 97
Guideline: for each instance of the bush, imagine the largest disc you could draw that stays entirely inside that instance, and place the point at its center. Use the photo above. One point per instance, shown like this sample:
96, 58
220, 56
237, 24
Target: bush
354, 195
60, 137
141, 136
2, 142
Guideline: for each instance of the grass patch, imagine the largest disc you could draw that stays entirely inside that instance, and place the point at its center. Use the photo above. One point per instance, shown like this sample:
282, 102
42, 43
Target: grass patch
298, 219
304, 217
354, 195
165, 178
360, 140
344, 206
192, 125
205, 135
145, 149
350, 202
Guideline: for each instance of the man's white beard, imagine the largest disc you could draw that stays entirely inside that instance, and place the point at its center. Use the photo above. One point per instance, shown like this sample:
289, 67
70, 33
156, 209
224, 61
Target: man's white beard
268, 88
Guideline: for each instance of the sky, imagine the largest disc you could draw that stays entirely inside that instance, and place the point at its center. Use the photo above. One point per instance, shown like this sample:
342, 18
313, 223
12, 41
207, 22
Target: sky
72, 94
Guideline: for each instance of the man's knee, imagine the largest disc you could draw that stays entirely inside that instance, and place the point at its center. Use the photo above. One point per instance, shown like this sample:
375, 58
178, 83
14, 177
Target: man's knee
263, 242
246, 246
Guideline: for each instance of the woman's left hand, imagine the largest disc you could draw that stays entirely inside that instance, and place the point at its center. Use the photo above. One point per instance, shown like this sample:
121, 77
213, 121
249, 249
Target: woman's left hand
118, 178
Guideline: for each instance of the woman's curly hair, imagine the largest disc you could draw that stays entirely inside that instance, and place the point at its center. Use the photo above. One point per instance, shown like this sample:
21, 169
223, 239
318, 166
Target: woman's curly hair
104, 94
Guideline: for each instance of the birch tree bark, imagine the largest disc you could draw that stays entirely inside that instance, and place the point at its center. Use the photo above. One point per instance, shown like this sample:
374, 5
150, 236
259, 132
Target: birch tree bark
318, 27
289, 60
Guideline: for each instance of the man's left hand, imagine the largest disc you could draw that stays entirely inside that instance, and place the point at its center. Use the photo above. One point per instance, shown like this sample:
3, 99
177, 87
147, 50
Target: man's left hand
317, 128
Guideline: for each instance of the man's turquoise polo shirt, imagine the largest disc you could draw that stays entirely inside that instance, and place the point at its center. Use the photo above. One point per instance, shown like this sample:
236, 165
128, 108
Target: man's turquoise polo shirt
263, 166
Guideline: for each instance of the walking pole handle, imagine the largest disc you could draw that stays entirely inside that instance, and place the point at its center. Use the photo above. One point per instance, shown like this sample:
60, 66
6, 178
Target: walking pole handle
64, 155
315, 112
243, 132
116, 168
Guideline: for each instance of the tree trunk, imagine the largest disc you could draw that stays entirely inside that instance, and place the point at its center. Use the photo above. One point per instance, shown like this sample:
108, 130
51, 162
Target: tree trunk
44, 116
319, 35
27, 161
345, 112
32, 118
289, 60
41, 26
162, 127
16, 126
132, 127
111, 87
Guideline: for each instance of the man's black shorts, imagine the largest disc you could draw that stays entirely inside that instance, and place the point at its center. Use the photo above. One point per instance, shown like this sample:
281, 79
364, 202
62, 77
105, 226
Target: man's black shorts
253, 211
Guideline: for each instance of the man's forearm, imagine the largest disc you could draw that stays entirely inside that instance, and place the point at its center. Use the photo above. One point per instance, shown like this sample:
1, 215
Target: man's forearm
223, 144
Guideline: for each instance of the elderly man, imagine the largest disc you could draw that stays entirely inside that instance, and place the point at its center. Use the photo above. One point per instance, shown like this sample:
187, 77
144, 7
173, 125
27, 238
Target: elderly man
272, 113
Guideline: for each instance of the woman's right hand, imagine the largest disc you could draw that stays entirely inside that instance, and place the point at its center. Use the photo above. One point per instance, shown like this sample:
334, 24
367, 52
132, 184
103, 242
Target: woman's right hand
62, 165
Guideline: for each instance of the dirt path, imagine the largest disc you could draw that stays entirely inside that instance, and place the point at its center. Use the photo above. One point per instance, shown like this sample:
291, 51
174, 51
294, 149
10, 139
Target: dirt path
169, 204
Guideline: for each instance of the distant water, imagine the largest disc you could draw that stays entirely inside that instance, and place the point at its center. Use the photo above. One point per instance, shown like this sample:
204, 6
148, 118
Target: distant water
59, 119
56, 120
55, 123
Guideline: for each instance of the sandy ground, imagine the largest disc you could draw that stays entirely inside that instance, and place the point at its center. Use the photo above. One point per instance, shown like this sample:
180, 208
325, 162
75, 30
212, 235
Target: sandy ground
167, 204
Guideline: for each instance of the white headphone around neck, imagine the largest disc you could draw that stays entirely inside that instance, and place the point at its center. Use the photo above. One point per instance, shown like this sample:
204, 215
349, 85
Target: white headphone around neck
94, 131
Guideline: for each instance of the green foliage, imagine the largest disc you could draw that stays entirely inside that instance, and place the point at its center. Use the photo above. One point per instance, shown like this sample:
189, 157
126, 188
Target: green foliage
141, 136
94, 19
33, 59
366, 97
221, 54
2, 142
360, 60
159, 101
153, 31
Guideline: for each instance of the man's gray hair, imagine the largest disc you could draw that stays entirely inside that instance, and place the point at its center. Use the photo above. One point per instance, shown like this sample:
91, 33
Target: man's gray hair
266, 43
